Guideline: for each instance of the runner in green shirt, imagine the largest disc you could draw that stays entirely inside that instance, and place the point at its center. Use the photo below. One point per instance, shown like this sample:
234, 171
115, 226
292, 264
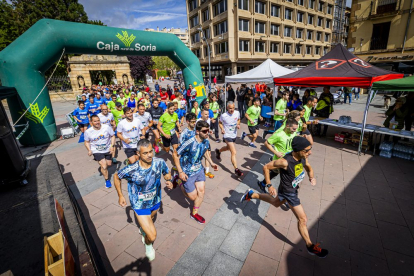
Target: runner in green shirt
252, 115
122, 99
118, 113
167, 127
112, 105
214, 125
280, 113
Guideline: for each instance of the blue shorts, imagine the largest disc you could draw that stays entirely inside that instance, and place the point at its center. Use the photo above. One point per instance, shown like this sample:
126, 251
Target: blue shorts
148, 211
189, 185
291, 198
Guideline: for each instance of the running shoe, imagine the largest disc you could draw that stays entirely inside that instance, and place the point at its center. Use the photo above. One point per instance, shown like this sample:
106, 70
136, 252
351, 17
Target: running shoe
150, 252
287, 205
243, 135
156, 149
114, 160
262, 186
264, 135
210, 175
238, 172
198, 218
142, 234
247, 195
252, 145
108, 184
218, 153
316, 250
218, 141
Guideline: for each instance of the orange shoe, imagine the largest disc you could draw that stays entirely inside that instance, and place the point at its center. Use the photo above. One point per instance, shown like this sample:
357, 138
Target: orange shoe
210, 175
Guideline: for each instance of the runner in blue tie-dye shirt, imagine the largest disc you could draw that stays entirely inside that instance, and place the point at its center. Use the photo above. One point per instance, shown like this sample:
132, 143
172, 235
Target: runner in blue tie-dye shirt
144, 189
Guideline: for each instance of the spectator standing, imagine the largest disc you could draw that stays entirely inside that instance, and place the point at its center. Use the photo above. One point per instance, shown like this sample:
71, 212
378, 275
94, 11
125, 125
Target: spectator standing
231, 96
324, 109
215, 80
347, 94
240, 93
356, 91
306, 96
294, 103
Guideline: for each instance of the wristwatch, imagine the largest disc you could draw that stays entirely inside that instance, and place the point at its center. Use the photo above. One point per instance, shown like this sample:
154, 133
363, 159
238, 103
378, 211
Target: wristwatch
268, 185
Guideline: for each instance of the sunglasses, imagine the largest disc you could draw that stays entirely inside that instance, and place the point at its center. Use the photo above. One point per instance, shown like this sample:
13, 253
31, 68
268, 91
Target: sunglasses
194, 121
205, 131
308, 150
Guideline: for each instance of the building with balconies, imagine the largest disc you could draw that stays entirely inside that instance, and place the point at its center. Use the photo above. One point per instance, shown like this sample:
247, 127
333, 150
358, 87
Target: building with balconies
382, 33
180, 33
244, 33
340, 23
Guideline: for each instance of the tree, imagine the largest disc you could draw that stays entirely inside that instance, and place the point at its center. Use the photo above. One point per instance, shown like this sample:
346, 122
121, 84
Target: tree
140, 66
164, 63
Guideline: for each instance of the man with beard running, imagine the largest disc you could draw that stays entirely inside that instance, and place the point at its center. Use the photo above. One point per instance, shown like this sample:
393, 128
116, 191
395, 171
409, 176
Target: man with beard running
292, 171
156, 111
144, 189
108, 119
229, 124
100, 142
187, 159
145, 118
130, 130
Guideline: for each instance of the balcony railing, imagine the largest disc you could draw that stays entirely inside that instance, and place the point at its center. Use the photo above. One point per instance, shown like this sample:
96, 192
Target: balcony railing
381, 7
378, 44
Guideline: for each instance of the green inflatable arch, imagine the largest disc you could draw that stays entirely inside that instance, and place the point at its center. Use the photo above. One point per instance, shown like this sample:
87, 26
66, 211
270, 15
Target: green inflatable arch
24, 62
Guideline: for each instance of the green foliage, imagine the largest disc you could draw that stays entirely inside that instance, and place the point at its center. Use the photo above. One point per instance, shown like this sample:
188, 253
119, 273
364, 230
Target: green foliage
163, 63
163, 73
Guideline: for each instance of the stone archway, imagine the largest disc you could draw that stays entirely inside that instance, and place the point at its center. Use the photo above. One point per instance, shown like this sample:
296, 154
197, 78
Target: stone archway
80, 67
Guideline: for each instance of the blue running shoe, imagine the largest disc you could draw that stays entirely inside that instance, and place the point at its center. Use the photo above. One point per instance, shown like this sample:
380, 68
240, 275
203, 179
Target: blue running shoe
247, 195
252, 145
262, 186
243, 135
108, 184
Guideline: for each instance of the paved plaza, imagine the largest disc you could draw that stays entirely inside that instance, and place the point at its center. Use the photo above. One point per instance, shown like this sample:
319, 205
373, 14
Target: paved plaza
360, 210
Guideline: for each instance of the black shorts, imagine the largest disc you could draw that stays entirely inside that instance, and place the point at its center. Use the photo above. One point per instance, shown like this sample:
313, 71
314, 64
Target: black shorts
130, 152
147, 135
253, 129
154, 127
168, 142
230, 140
83, 125
291, 198
306, 132
99, 156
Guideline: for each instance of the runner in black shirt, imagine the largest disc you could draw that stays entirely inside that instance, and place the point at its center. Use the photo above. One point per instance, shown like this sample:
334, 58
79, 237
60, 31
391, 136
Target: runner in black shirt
292, 173
156, 112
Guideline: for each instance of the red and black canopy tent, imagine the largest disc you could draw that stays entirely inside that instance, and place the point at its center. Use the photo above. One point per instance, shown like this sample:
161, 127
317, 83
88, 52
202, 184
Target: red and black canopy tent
339, 68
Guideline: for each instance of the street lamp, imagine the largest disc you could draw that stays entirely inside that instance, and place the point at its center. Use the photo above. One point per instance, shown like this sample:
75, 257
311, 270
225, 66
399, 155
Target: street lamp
208, 52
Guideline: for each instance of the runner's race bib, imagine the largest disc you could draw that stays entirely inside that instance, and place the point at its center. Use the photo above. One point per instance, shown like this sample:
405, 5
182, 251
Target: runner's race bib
195, 168
232, 128
172, 131
101, 147
82, 117
155, 121
298, 179
133, 140
147, 196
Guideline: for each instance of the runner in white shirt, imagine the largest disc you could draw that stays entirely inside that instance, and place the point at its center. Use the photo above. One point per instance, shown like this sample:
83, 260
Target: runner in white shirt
229, 124
108, 119
205, 117
145, 118
129, 131
100, 141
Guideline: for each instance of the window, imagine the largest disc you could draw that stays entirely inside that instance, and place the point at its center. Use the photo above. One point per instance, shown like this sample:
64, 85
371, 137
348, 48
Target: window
244, 45
288, 31
197, 52
207, 33
320, 6
220, 7
311, 4
299, 33
309, 35
327, 37
274, 29
244, 5
206, 15
320, 20
328, 23
317, 50
220, 28
300, 2
194, 21
318, 36
309, 50
288, 14
299, 17
325, 50
380, 35
287, 49
289, 1
310, 19
243, 25
260, 7
206, 52
195, 38
275, 11
274, 47
240, 69
252, 67
329, 9
259, 27
221, 48
259, 47
192, 5
298, 49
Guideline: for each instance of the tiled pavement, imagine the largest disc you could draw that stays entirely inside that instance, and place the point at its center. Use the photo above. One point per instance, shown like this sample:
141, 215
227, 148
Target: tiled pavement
360, 209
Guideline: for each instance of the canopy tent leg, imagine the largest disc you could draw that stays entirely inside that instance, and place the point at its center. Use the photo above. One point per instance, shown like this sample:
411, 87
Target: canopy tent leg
364, 121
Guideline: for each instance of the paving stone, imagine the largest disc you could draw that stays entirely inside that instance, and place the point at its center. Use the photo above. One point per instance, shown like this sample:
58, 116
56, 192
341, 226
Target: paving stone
173, 217
334, 266
333, 193
333, 213
296, 244
225, 219
381, 193
91, 197
335, 239
388, 212
223, 264
357, 193
407, 207
396, 238
109, 198
105, 233
363, 265
279, 217
112, 215
270, 241
239, 241
401, 194
365, 239
399, 264
294, 265
121, 241
360, 212
253, 213
251, 266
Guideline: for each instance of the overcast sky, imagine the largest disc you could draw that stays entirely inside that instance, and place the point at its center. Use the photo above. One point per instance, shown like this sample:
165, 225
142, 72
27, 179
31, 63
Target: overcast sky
140, 14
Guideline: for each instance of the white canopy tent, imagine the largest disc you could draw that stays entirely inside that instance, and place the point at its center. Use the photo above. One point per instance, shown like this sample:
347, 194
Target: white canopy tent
265, 72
